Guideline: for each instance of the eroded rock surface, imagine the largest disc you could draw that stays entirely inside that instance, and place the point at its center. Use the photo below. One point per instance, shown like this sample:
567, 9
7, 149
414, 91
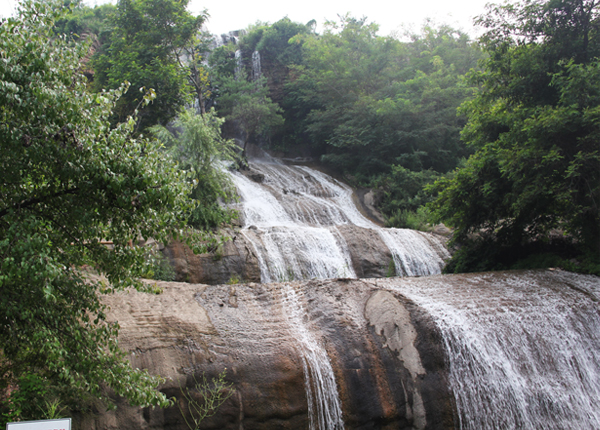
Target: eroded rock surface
380, 344
254, 331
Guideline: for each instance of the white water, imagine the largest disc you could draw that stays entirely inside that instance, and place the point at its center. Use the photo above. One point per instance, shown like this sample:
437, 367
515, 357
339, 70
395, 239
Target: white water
411, 258
256, 68
521, 355
291, 219
324, 406
238, 64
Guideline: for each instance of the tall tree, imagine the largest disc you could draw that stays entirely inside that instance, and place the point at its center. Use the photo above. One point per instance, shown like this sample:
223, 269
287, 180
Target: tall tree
193, 57
247, 105
535, 124
146, 37
69, 180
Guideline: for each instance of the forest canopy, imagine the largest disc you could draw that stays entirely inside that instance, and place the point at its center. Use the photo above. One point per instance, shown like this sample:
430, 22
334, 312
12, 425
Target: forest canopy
535, 127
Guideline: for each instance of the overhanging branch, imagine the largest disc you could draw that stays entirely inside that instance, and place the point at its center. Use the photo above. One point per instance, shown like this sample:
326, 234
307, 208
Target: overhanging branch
27, 203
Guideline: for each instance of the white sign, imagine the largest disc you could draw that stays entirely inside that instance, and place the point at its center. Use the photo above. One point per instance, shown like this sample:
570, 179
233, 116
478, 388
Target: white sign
62, 424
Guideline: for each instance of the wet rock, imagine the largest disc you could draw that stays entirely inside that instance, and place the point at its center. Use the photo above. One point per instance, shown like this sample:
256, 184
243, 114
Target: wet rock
233, 261
236, 259
381, 341
249, 329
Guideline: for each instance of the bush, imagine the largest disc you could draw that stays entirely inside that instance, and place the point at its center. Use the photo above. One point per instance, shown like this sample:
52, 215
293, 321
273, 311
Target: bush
415, 220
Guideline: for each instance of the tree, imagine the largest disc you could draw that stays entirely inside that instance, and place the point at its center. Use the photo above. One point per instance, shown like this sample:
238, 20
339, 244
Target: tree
535, 124
247, 104
375, 102
145, 39
192, 56
69, 181
197, 145
82, 21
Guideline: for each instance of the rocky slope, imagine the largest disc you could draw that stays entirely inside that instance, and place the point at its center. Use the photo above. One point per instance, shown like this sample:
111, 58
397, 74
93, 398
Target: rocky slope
237, 260
295, 352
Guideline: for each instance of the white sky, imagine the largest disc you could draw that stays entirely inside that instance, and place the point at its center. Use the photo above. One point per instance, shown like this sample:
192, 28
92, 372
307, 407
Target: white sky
391, 15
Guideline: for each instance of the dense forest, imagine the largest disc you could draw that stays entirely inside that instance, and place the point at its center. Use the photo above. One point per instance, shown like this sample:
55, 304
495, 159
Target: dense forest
113, 119
396, 115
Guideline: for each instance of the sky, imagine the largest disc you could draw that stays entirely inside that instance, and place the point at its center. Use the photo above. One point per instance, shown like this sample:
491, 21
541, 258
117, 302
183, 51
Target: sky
393, 16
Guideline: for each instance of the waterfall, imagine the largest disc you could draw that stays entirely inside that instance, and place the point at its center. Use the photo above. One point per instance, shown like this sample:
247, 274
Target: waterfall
522, 353
411, 257
292, 215
324, 406
256, 69
267, 321
239, 66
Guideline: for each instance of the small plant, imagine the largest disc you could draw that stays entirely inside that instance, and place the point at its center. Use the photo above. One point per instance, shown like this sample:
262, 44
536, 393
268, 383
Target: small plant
391, 270
204, 399
343, 272
286, 275
217, 254
53, 409
233, 280
155, 289
158, 266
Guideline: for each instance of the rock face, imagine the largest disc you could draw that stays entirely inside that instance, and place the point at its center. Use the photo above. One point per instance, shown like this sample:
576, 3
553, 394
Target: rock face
234, 261
297, 223
262, 334
237, 259
367, 354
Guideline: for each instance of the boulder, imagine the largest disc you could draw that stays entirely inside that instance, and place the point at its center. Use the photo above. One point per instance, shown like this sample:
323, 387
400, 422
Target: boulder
394, 353
233, 261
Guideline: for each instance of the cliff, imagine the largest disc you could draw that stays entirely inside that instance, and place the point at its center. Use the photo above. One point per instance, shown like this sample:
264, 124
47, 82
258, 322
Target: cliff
376, 349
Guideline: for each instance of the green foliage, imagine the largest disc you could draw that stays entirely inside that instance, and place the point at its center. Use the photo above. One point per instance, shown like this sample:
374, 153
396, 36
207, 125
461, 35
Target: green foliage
196, 143
192, 56
35, 398
158, 267
419, 219
391, 270
247, 104
364, 103
275, 47
70, 180
535, 124
382, 111
235, 279
374, 102
145, 38
484, 253
204, 400
82, 21
403, 189
278, 55
222, 62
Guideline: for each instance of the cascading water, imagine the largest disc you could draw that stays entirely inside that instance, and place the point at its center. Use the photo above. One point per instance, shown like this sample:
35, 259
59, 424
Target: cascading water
287, 249
324, 406
256, 68
521, 354
411, 258
292, 218
238, 64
